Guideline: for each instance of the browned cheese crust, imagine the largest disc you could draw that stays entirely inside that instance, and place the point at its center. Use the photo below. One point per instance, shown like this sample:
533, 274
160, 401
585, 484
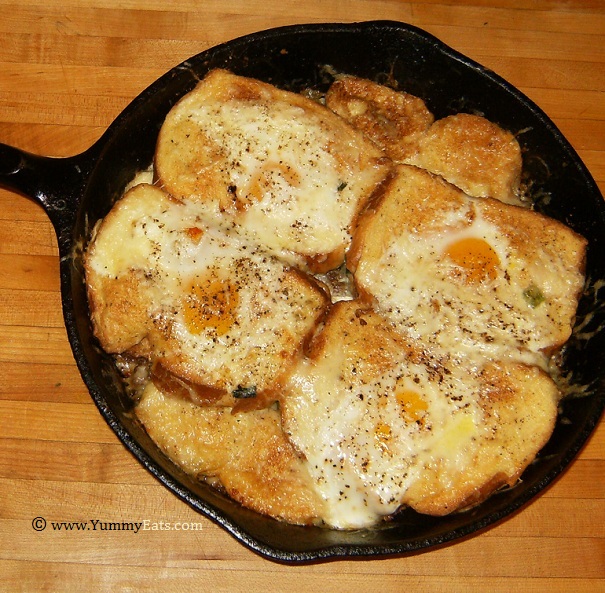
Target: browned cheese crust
409, 394
519, 404
536, 274
474, 154
394, 121
217, 319
247, 453
420, 381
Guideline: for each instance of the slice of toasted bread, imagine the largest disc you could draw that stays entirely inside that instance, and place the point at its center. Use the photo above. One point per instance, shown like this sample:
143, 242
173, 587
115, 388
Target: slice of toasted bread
474, 154
393, 120
517, 413
247, 453
501, 279
384, 420
219, 314
279, 165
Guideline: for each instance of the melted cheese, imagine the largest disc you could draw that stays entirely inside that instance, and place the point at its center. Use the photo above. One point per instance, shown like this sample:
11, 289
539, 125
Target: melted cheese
222, 312
467, 286
420, 392
284, 168
367, 442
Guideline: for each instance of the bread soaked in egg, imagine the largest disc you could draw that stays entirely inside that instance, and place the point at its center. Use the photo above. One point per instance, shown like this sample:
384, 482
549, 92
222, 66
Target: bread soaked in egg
218, 317
473, 153
384, 420
472, 274
247, 455
394, 120
279, 165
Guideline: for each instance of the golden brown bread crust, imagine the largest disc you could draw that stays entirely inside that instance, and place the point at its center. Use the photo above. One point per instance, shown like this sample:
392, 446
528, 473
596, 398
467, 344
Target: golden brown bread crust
467, 150
248, 453
271, 161
412, 198
528, 304
394, 121
474, 154
457, 429
118, 309
519, 404
430, 416
216, 316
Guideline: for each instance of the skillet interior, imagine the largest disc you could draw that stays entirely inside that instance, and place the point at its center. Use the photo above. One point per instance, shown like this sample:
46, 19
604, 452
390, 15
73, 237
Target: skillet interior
302, 57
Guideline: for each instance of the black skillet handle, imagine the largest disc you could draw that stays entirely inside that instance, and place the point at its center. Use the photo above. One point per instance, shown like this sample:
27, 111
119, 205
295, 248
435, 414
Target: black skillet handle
54, 183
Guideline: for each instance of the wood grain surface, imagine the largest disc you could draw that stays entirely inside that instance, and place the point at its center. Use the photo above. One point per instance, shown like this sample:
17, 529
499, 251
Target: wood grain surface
67, 69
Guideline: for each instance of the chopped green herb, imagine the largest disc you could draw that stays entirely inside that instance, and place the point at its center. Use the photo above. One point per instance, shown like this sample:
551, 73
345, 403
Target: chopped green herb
244, 392
342, 185
534, 296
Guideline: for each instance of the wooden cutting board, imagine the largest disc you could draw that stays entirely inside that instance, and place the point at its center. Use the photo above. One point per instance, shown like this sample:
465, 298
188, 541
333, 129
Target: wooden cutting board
67, 69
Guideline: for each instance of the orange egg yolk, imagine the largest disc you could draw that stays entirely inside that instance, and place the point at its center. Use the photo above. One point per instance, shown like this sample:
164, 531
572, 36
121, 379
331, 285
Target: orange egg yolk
413, 407
267, 178
211, 305
382, 434
475, 258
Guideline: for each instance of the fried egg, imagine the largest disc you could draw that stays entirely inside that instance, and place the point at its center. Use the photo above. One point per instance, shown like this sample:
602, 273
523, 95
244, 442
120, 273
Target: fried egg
281, 166
474, 275
384, 422
199, 301
409, 370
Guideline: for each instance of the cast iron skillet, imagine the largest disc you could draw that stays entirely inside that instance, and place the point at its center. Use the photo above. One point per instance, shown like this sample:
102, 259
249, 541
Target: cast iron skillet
75, 192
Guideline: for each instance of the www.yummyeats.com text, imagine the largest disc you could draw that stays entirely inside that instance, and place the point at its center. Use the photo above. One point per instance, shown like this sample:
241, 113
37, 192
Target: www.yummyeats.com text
98, 525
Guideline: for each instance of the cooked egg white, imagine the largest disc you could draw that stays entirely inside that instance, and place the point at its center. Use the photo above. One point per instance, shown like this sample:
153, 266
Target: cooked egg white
384, 421
420, 384
215, 309
457, 285
365, 443
472, 275
284, 168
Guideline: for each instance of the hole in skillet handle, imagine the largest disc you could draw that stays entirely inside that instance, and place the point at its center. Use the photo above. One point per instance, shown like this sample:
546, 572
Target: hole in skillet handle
54, 183
297, 58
